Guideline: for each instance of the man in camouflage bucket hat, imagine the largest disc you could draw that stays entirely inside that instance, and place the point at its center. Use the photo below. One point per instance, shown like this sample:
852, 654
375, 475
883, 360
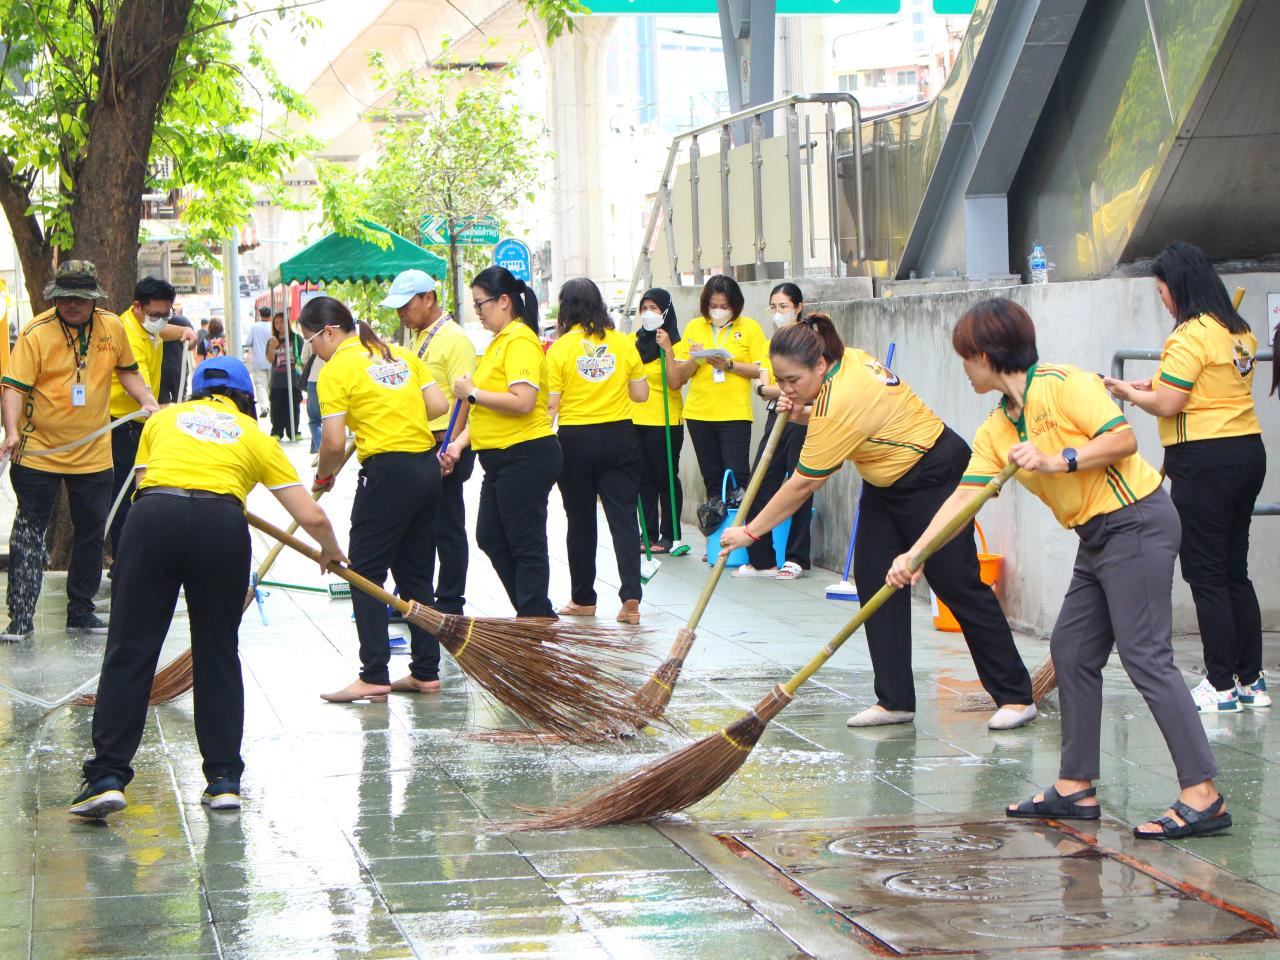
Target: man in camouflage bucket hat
75, 278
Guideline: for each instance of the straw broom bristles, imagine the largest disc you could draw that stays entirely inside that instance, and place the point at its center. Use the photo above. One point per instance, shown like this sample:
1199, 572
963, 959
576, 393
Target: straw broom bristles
692, 774
564, 679
1044, 681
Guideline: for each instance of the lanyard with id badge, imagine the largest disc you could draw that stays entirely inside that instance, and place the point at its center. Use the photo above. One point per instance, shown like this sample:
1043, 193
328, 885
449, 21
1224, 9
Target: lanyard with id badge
718, 375
80, 354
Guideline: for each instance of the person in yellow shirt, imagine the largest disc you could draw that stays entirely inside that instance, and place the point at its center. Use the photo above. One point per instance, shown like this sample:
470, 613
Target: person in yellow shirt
510, 430
1081, 459
448, 354
1202, 395
662, 412
595, 375
146, 324
386, 396
718, 407
56, 393
910, 461
196, 463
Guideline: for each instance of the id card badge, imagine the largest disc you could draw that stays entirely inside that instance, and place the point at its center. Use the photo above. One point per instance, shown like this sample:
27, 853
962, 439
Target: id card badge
716, 375
77, 394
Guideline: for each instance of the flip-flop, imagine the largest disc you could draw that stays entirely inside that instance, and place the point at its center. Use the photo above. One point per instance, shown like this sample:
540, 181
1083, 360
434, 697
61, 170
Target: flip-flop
789, 571
1055, 806
1208, 820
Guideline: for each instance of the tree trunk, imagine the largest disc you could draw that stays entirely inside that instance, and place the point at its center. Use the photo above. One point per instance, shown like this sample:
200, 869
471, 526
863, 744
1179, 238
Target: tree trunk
455, 276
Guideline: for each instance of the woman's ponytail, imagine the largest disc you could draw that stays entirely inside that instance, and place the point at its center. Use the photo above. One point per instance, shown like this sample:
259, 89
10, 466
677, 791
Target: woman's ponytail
809, 339
528, 306
372, 342
322, 312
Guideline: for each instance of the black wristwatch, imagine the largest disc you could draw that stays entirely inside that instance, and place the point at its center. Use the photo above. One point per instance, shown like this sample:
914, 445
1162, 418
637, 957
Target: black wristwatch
473, 397
1069, 455
760, 390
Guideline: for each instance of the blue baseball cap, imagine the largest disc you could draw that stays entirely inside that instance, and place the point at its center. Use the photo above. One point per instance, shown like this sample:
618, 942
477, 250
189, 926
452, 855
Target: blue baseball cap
407, 285
222, 372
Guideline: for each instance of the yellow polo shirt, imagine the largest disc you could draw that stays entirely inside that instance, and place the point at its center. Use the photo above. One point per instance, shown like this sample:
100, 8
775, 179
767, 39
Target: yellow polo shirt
44, 366
449, 355
649, 413
147, 353
513, 356
1214, 368
209, 444
381, 399
865, 414
730, 399
592, 374
1063, 406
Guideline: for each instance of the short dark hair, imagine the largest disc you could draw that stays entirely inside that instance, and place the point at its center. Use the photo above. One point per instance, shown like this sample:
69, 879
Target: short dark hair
1002, 330
153, 288
499, 281
1195, 286
582, 304
264, 313
721, 283
788, 290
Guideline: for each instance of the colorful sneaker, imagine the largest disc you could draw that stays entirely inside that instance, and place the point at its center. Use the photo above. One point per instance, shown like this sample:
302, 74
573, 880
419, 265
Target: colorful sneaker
105, 795
222, 794
1255, 694
1209, 699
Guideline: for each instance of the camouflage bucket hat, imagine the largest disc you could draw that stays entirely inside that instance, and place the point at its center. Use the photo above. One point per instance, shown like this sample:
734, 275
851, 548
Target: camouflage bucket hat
75, 278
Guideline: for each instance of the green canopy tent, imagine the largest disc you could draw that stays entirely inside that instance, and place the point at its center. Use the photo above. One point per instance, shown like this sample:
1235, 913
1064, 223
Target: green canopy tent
339, 259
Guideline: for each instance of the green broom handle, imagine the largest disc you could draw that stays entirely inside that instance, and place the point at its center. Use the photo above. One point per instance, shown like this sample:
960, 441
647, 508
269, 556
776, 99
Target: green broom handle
967, 513
748, 498
644, 529
666, 423
275, 550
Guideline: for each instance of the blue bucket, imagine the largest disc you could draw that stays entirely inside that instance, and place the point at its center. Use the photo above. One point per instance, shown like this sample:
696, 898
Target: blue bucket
739, 556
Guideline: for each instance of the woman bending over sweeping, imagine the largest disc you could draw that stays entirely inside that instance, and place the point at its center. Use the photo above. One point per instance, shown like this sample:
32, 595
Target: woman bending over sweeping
387, 397
1058, 424
910, 461
197, 462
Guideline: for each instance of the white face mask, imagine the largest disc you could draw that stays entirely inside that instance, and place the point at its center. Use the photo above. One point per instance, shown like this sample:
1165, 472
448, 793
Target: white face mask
720, 316
153, 325
650, 320
783, 317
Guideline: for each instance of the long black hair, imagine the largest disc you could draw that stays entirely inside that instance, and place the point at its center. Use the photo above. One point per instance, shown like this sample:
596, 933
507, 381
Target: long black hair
1195, 287
647, 340
581, 305
498, 281
790, 291
327, 312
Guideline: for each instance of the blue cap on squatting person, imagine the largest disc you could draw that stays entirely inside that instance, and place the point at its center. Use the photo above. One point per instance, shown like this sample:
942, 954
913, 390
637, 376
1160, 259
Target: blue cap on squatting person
222, 372
407, 285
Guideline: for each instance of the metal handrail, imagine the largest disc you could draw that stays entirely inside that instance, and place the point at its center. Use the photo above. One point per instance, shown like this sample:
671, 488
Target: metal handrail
752, 113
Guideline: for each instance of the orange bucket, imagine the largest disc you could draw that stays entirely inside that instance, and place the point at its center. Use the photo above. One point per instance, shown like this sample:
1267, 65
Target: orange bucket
989, 563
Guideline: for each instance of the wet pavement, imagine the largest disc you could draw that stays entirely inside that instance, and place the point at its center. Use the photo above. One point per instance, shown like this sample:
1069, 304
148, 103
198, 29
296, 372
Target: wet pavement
374, 830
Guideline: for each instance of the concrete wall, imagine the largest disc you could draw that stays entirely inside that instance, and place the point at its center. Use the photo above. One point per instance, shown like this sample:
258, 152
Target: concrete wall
1082, 323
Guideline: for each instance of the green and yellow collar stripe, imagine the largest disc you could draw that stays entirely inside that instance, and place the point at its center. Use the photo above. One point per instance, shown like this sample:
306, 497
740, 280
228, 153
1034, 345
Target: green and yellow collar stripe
815, 474
826, 377
1111, 425
1175, 383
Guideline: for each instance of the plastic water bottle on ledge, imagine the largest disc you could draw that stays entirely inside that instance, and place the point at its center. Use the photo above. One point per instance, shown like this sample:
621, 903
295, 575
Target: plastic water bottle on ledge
1039, 265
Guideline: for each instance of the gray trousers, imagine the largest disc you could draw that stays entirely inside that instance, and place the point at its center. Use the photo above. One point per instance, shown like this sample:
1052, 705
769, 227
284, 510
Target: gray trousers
1121, 596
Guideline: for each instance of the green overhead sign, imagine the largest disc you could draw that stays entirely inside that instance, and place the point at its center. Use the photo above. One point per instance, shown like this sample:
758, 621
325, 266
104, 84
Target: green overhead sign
475, 231
785, 7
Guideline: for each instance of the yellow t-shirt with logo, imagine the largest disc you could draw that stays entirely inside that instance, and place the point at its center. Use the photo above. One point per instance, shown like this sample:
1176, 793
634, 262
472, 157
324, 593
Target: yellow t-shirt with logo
449, 355
148, 352
44, 367
730, 399
513, 356
381, 399
865, 414
1063, 406
591, 375
1214, 368
208, 444
649, 413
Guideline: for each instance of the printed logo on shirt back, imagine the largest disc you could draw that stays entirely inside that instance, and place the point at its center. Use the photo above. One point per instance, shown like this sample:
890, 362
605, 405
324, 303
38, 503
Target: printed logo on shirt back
597, 363
391, 375
209, 425
883, 373
1242, 359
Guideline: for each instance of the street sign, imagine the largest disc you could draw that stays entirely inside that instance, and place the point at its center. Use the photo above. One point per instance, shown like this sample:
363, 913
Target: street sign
433, 231
514, 255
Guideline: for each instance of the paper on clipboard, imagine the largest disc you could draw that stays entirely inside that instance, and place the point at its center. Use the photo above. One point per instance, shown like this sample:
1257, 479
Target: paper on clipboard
718, 353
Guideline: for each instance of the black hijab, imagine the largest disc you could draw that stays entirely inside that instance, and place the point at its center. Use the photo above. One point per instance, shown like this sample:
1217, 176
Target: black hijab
646, 340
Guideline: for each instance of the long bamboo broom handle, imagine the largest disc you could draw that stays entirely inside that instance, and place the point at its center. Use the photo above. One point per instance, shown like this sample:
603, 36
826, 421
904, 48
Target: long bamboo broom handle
882, 595
274, 552
757, 478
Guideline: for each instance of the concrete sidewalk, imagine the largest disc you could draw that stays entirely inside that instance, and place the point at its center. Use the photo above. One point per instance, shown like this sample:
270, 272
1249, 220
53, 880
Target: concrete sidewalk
370, 831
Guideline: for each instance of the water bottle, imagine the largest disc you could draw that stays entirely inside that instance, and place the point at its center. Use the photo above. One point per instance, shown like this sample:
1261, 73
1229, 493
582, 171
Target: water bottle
1039, 265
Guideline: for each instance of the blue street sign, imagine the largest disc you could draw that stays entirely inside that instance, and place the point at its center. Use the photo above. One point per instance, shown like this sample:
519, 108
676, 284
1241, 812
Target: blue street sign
514, 255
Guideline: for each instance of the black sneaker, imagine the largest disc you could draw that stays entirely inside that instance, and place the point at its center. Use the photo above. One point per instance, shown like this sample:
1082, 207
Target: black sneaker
89, 623
222, 794
17, 632
105, 795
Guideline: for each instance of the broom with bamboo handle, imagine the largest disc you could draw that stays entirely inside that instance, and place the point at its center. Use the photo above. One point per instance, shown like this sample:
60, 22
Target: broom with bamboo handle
651, 700
695, 772
564, 679
177, 676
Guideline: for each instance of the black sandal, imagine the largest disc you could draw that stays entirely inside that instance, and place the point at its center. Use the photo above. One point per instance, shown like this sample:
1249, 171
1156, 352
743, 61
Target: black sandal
1054, 806
1208, 820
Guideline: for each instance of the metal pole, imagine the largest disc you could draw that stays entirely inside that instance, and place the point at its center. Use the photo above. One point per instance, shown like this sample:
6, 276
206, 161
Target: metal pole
694, 157
808, 147
231, 295
794, 190
726, 248
833, 198
757, 130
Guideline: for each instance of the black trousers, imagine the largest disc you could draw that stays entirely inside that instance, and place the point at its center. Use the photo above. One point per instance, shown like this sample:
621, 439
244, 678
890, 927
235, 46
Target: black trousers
281, 409
391, 528
88, 499
511, 527
892, 520
601, 460
761, 553
201, 546
721, 445
655, 482
124, 451
450, 551
1214, 484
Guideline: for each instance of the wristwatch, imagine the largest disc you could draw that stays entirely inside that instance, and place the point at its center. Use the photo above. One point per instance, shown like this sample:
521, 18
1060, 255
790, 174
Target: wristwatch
760, 390
474, 396
1069, 455
729, 368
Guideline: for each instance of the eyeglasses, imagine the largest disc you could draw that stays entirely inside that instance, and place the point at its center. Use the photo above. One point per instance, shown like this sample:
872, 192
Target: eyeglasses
314, 335
480, 303
780, 308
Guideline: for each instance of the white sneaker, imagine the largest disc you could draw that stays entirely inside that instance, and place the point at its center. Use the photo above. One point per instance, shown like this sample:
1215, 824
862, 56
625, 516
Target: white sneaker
1209, 699
747, 570
879, 717
1007, 718
1255, 694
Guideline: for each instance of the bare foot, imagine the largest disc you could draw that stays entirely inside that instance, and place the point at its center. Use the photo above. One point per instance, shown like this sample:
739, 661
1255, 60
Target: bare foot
358, 690
1198, 797
412, 684
1065, 788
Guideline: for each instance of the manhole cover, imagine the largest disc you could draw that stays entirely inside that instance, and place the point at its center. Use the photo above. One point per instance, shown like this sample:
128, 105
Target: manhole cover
913, 844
